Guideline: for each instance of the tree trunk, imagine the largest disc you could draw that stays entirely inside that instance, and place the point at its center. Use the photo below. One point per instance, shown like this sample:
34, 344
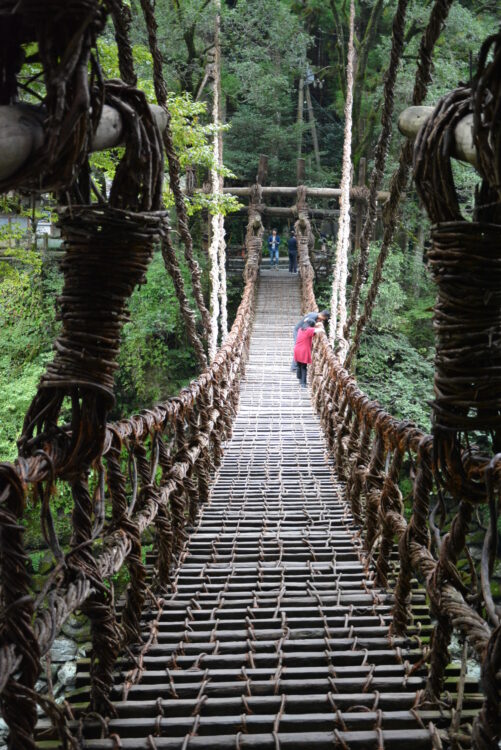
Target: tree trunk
300, 105
313, 127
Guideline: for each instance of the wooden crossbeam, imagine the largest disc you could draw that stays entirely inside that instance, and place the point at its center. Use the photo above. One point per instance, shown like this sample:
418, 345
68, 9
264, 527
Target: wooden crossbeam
311, 192
413, 118
291, 211
22, 133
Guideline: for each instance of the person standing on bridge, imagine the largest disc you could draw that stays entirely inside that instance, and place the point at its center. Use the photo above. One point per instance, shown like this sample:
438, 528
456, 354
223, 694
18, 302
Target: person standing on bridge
292, 246
303, 347
273, 244
313, 317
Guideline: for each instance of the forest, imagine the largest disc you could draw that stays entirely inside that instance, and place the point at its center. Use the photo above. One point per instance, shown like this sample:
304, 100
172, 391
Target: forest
197, 522
283, 89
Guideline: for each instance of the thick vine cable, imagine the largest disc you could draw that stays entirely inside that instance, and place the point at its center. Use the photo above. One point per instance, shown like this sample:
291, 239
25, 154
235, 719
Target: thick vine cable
122, 20
223, 291
338, 297
168, 252
214, 257
148, 8
399, 179
380, 153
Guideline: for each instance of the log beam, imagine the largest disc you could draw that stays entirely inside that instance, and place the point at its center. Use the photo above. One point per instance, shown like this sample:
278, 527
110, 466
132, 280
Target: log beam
291, 212
22, 133
412, 119
311, 192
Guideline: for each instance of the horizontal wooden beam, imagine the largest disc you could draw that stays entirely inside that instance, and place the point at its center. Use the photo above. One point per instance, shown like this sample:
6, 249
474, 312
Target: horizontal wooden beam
290, 212
311, 192
22, 133
413, 118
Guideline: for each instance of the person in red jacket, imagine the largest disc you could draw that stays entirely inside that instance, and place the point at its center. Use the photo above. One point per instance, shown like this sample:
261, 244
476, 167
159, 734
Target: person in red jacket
302, 348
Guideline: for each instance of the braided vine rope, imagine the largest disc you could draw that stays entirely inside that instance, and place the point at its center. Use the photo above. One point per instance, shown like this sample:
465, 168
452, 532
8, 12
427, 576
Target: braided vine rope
399, 179
183, 438
173, 163
380, 153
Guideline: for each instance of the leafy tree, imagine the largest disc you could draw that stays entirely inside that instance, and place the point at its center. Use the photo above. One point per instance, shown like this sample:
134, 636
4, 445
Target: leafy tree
185, 35
264, 52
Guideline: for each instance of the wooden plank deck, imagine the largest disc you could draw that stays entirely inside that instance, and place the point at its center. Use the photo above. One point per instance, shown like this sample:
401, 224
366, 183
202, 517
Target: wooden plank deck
275, 635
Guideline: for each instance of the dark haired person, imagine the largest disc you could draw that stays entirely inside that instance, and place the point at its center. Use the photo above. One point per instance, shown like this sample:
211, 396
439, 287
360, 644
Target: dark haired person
273, 244
312, 317
303, 347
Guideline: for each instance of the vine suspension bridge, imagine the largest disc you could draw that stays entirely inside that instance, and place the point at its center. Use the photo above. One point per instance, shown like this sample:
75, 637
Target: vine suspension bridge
291, 598
276, 634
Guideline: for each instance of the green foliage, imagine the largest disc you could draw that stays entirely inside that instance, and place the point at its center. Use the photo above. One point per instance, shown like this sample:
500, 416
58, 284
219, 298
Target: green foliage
392, 371
155, 358
392, 296
17, 388
264, 51
192, 135
185, 39
395, 364
27, 319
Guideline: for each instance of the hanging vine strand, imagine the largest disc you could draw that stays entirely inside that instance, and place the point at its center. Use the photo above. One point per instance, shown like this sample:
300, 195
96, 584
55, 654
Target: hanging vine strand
340, 276
399, 179
121, 21
223, 301
217, 255
380, 153
148, 8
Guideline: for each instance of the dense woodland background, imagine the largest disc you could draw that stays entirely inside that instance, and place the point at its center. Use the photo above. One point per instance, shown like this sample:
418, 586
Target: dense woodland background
270, 48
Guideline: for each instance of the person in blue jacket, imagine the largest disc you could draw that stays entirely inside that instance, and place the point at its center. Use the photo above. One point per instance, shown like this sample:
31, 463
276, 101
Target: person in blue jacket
273, 244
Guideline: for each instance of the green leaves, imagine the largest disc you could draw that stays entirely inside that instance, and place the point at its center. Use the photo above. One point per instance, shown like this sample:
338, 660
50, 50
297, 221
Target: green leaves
27, 320
392, 371
155, 357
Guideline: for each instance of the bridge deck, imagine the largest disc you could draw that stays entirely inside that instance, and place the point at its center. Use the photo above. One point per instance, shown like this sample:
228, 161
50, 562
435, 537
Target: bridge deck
276, 636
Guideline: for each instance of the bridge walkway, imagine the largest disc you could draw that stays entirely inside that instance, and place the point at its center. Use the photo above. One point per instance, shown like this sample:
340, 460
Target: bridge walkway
275, 635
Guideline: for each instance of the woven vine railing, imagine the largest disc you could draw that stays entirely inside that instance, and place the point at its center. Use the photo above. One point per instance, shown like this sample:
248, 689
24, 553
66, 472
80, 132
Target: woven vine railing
455, 486
153, 475
373, 451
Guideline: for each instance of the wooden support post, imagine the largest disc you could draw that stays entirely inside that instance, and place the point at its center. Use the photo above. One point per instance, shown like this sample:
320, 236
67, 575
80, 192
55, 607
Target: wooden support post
313, 127
262, 170
300, 171
300, 106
